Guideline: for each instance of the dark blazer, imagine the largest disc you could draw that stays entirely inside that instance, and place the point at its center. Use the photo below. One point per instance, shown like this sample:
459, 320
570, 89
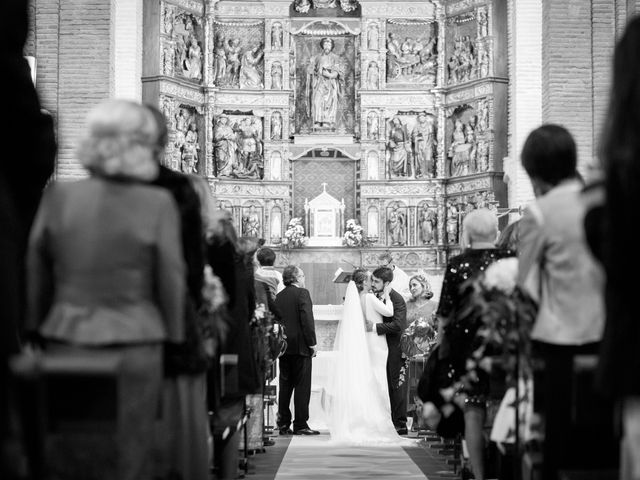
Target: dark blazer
296, 309
393, 327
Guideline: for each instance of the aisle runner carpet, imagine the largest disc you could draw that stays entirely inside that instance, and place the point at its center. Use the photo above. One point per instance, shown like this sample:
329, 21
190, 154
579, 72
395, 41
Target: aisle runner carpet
313, 458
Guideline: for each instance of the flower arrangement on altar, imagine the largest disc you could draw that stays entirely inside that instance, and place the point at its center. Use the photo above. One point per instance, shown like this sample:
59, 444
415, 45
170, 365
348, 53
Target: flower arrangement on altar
353, 235
294, 236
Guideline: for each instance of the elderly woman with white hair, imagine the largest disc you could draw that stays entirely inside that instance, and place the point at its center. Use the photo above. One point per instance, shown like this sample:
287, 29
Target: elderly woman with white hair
106, 276
480, 232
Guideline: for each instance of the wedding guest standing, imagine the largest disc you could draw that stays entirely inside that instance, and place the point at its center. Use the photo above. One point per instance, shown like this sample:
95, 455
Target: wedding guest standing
480, 231
420, 304
400, 282
558, 271
294, 303
183, 432
266, 258
609, 227
105, 270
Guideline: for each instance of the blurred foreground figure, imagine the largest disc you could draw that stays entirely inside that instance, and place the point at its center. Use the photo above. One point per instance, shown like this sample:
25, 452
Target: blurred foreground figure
609, 227
106, 277
29, 150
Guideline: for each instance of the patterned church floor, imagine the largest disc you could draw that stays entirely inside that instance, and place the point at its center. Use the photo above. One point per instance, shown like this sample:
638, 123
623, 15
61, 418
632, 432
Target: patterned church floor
313, 458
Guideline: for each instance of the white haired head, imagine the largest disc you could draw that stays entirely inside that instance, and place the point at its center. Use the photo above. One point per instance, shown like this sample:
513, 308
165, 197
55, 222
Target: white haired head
480, 225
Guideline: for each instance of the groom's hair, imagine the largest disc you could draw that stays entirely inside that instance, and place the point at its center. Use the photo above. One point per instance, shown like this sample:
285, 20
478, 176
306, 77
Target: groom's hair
383, 273
290, 275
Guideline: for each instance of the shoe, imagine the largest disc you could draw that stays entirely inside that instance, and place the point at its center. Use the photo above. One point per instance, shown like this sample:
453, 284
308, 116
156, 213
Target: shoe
268, 442
306, 431
285, 431
402, 431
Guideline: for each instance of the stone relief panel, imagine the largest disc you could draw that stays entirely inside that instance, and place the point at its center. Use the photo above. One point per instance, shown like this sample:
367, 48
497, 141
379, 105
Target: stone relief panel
468, 51
397, 224
323, 8
184, 142
182, 53
412, 145
463, 143
238, 149
412, 52
458, 207
427, 224
252, 219
324, 84
238, 56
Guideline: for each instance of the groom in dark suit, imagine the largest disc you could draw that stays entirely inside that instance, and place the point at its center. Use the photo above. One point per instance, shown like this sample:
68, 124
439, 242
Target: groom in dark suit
392, 328
294, 303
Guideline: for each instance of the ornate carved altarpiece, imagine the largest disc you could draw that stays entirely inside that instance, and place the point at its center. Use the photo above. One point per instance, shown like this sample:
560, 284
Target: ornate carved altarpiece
398, 107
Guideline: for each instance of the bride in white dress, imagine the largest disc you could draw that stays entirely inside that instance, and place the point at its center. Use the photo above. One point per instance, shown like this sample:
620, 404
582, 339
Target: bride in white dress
358, 407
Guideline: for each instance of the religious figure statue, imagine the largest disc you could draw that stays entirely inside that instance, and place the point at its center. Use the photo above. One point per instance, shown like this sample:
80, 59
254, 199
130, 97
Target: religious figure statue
373, 35
276, 36
225, 147
470, 138
483, 22
459, 151
251, 223
167, 19
372, 125
219, 61
250, 162
348, 5
399, 148
396, 225
181, 53
251, 67
428, 225
483, 61
190, 150
168, 60
233, 61
483, 116
373, 77
423, 139
452, 223
192, 66
276, 126
325, 85
276, 76
182, 125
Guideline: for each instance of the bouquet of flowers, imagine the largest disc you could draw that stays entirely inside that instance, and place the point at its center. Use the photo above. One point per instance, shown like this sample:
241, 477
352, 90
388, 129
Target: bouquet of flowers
419, 337
294, 236
268, 337
353, 235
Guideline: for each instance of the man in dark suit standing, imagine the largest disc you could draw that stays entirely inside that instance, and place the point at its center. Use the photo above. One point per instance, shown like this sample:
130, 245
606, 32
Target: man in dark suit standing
296, 308
392, 328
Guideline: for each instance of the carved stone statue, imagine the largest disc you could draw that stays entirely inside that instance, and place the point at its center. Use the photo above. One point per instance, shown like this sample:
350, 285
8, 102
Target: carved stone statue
483, 116
182, 125
373, 35
398, 148
452, 223
423, 139
372, 126
219, 61
483, 22
324, 79
250, 162
276, 126
428, 225
225, 147
167, 19
168, 59
373, 77
397, 227
483, 61
192, 65
251, 68
190, 150
459, 151
348, 5
276, 36
251, 223
233, 61
302, 6
276, 76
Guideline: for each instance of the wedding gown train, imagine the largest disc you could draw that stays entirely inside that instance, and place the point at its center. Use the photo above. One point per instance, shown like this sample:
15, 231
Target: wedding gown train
357, 402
